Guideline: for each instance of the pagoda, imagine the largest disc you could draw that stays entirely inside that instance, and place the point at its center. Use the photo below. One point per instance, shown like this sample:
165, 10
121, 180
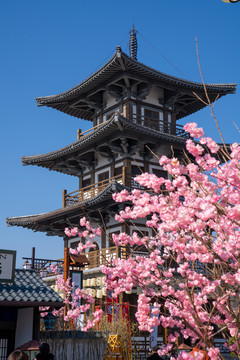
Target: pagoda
134, 112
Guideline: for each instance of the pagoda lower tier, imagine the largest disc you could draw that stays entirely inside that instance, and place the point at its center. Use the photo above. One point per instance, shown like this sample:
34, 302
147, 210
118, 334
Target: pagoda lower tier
97, 209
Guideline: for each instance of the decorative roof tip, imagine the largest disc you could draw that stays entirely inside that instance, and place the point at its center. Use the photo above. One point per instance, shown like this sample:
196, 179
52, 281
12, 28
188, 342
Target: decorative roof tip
133, 43
118, 48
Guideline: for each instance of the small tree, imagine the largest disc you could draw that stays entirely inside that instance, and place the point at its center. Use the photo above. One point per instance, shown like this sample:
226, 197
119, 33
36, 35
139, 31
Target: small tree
190, 275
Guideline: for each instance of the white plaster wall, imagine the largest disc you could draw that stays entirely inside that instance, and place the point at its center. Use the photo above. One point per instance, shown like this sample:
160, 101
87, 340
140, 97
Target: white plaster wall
108, 99
86, 177
102, 161
119, 165
153, 96
24, 329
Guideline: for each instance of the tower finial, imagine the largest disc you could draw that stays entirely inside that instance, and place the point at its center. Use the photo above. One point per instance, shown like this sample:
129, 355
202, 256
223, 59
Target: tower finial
133, 43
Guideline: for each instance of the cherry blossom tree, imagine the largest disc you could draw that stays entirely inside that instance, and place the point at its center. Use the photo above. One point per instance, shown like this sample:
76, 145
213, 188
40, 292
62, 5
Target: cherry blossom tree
189, 276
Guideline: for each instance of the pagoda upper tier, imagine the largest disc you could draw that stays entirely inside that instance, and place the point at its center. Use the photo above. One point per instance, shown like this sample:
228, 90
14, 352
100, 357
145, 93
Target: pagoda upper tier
122, 78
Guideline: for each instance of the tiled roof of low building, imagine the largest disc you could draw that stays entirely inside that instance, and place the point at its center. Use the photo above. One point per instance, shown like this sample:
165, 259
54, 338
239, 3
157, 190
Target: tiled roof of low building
28, 289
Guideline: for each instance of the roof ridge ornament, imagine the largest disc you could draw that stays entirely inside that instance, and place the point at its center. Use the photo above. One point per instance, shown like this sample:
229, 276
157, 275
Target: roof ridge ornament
133, 43
118, 48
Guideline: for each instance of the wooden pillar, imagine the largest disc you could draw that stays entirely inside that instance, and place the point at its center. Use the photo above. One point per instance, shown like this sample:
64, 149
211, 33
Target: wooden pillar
165, 121
139, 114
103, 240
124, 110
79, 131
173, 124
127, 109
66, 260
146, 166
64, 198
128, 171
93, 177
124, 175
112, 167
33, 258
80, 181
130, 112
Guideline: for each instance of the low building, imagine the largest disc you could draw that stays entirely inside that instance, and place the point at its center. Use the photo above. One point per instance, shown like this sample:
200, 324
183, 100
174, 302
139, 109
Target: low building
19, 309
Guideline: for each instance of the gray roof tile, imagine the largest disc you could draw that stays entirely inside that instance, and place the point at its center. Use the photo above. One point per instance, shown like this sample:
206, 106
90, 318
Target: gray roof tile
28, 287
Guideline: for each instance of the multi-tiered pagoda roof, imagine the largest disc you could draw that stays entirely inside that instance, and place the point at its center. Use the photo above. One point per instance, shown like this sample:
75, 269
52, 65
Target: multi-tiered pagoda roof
122, 77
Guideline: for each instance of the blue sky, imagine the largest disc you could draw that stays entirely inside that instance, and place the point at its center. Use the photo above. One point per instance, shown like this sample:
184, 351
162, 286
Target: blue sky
48, 47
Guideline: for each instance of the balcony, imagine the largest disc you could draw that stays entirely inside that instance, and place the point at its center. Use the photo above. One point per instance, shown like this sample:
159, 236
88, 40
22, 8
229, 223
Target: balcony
160, 125
97, 258
92, 190
151, 122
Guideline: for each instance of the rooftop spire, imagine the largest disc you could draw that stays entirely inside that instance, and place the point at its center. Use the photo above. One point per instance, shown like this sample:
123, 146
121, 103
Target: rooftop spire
133, 43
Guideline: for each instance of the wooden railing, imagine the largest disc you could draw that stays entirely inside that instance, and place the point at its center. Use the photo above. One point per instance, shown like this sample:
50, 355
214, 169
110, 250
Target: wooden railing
104, 256
80, 133
88, 192
92, 190
150, 122
160, 125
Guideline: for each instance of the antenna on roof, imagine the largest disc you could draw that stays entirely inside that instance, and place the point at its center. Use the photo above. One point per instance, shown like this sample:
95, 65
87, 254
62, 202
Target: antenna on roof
133, 43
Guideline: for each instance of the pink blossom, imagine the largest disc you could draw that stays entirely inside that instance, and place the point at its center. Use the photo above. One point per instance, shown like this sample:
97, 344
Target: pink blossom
193, 130
212, 145
195, 150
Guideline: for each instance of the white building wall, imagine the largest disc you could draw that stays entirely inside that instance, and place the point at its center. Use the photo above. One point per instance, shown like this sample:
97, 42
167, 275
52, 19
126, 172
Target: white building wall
108, 99
153, 96
24, 329
102, 161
